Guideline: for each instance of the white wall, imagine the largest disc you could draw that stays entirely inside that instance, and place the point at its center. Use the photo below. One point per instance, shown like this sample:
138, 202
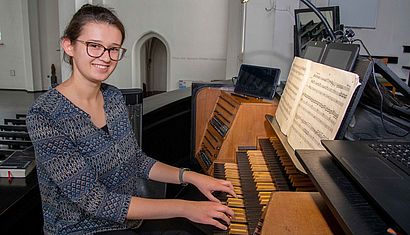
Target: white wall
204, 37
28, 33
12, 53
49, 40
269, 34
196, 32
391, 33
234, 54
269, 37
66, 9
33, 40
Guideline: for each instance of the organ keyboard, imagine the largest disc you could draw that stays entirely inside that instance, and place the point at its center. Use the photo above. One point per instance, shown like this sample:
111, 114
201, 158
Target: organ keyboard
256, 176
234, 141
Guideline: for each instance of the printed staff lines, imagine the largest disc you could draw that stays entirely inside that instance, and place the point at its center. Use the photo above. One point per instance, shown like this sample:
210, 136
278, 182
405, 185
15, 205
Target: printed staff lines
297, 75
319, 116
334, 100
333, 83
284, 108
322, 106
291, 87
310, 129
304, 135
299, 67
331, 89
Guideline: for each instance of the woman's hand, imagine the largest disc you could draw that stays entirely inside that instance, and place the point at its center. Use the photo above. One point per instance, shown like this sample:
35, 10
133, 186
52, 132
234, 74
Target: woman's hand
207, 185
207, 212
204, 212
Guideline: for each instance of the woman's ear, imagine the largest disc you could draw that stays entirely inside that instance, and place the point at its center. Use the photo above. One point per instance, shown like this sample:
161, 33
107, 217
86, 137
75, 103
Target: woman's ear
67, 46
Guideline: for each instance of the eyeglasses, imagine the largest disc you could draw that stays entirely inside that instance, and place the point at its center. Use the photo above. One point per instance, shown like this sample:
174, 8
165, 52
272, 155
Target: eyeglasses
96, 50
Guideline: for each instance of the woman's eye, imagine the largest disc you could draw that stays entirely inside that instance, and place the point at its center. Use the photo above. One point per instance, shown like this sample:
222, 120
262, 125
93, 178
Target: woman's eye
95, 45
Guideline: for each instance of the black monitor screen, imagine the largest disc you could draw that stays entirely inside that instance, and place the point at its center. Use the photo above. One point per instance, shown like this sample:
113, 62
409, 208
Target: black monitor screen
257, 81
313, 51
337, 58
340, 55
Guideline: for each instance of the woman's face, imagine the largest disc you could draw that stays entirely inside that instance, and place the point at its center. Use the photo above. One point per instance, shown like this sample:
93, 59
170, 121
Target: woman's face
86, 67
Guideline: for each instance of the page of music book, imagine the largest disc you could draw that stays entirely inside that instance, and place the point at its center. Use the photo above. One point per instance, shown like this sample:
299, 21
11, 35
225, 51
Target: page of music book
295, 83
313, 106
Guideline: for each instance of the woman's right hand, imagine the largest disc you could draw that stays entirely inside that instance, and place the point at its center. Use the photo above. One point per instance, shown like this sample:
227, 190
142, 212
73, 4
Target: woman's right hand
208, 212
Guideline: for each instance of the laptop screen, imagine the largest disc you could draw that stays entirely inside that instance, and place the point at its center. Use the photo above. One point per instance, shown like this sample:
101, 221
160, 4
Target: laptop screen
257, 81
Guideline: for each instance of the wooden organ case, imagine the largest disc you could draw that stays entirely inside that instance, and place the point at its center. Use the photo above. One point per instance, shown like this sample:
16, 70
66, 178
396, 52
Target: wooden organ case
234, 141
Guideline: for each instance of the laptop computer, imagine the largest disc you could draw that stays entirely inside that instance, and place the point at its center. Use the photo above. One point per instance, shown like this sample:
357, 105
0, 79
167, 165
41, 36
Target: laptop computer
257, 81
385, 180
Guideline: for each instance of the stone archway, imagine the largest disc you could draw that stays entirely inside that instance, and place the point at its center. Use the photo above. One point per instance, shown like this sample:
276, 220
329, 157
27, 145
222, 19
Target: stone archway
150, 69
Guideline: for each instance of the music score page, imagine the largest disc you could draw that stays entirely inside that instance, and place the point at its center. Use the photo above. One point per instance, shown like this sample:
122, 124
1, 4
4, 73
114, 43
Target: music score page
320, 109
292, 93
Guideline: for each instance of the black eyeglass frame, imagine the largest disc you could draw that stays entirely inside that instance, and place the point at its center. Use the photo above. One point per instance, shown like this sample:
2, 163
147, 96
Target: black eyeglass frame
87, 43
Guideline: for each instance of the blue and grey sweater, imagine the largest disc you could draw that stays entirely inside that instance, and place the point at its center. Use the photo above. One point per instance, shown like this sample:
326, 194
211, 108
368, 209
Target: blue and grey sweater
86, 176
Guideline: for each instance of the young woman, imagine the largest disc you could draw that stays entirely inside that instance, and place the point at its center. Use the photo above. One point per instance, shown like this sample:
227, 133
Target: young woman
87, 157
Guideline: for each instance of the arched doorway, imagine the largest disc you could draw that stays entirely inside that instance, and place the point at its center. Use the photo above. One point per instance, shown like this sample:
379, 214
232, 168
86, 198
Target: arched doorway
153, 66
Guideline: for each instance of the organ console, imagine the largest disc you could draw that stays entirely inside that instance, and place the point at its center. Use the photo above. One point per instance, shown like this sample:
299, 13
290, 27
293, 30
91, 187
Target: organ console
234, 141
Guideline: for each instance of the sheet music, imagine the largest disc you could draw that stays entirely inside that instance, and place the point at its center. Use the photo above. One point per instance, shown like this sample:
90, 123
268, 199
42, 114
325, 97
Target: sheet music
322, 106
295, 83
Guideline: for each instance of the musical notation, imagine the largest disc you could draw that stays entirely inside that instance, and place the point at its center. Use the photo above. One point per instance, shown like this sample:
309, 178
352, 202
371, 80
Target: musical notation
330, 94
302, 136
292, 92
322, 118
318, 108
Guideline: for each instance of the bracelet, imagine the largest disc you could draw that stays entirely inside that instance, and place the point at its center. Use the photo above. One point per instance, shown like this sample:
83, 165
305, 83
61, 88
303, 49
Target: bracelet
181, 176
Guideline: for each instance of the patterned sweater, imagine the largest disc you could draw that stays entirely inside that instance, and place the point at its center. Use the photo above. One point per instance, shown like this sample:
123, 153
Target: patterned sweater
86, 176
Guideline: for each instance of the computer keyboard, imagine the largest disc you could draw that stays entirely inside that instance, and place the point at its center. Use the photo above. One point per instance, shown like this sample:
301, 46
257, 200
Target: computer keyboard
397, 153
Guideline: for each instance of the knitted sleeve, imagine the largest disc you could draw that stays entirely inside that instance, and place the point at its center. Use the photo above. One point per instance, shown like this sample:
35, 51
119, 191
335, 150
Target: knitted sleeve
60, 160
144, 161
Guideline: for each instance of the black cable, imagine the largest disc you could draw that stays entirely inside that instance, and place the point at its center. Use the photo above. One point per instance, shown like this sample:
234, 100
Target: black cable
379, 91
340, 36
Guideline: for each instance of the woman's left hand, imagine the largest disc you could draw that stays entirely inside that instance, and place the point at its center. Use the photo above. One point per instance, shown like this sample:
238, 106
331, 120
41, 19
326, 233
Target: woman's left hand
207, 185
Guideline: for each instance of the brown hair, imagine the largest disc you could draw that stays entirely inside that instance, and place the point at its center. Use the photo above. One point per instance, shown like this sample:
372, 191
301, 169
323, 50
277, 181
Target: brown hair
90, 13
